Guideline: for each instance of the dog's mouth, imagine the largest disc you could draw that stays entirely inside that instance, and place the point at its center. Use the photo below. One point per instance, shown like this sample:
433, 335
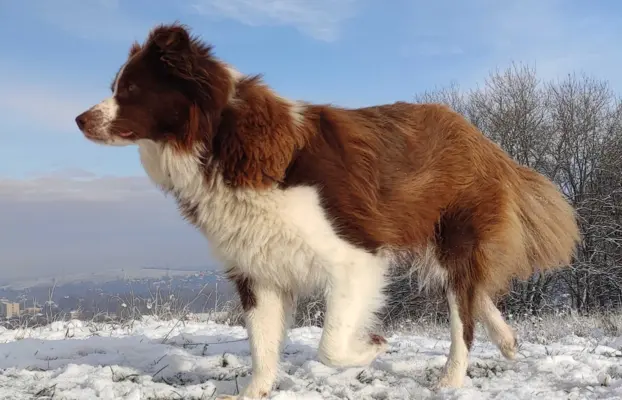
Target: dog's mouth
91, 136
108, 138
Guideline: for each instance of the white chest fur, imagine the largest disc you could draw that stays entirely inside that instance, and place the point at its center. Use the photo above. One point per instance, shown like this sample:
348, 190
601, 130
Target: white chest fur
277, 236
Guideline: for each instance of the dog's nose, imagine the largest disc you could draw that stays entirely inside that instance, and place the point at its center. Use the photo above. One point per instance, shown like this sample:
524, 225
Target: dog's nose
81, 120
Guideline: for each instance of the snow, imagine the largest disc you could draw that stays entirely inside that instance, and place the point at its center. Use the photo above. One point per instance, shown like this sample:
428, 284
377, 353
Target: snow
154, 359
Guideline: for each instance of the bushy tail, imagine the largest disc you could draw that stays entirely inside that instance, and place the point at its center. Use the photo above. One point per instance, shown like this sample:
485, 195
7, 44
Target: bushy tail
549, 222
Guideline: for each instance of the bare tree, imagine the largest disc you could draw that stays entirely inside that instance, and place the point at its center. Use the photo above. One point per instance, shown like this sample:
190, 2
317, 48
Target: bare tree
586, 120
571, 131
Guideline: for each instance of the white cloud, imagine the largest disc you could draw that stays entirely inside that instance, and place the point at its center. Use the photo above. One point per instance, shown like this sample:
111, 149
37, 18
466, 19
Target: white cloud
112, 20
79, 186
320, 19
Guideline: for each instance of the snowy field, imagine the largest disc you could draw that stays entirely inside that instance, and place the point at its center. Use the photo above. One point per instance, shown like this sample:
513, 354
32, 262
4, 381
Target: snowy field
155, 359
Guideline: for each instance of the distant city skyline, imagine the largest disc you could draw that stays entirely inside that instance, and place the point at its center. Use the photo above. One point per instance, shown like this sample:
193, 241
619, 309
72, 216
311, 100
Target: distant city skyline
68, 205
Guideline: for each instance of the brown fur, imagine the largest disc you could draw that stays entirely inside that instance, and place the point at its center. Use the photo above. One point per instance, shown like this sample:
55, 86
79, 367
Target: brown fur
244, 287
256, 137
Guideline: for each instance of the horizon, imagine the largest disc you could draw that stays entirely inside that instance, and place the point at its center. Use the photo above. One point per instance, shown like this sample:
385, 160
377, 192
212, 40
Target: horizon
70, 206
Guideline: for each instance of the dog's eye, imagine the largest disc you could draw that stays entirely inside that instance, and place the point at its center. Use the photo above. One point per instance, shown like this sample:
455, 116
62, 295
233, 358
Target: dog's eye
132, 88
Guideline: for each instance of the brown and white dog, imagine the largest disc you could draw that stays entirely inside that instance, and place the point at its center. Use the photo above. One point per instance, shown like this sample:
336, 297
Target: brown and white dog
295, 196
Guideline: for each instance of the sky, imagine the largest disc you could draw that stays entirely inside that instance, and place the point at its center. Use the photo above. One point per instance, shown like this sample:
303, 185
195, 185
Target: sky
69, 205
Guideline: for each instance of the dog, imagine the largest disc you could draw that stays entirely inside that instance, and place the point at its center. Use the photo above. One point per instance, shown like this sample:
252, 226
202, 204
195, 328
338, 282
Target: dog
294, 196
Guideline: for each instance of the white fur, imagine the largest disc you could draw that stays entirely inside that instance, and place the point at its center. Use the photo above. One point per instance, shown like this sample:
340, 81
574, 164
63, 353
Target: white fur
103, 115
296, 112
279, 237
109, 109
115, 86
284, 242
266, 324
456, 365
235, 76
497, 329
420, 262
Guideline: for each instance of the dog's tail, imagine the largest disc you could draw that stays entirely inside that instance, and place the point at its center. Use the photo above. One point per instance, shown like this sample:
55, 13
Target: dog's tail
550, 229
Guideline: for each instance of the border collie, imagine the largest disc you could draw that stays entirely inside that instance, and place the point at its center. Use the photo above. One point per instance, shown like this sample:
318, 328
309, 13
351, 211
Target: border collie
295, 196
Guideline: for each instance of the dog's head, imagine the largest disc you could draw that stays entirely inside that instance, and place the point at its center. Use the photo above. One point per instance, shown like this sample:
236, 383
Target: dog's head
169, 89
172, 90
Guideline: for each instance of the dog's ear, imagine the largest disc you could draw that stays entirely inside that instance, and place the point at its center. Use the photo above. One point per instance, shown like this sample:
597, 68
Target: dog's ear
173, 46
256, 140
134, 49
172, 38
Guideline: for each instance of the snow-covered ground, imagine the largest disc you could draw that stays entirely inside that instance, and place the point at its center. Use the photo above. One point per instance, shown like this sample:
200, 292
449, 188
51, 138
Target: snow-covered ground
155, 359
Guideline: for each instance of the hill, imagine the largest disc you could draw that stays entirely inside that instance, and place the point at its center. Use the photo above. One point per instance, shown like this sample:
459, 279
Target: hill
156, 359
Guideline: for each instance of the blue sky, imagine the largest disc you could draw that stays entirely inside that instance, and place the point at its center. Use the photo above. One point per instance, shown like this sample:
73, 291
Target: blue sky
58, 58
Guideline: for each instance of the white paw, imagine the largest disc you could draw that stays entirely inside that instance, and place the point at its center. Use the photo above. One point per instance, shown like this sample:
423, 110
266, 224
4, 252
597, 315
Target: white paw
453, 375
509, 348
361, 354
506, 341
